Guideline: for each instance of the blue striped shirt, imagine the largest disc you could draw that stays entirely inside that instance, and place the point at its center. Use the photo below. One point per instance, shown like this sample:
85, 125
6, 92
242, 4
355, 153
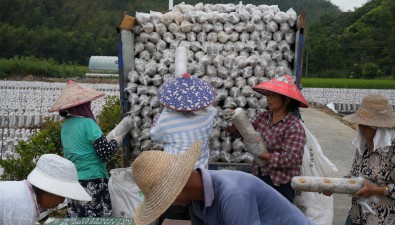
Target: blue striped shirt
178, 130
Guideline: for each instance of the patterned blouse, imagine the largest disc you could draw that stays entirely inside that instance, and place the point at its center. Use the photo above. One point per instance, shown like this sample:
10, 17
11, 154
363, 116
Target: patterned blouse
379, 169
285, 141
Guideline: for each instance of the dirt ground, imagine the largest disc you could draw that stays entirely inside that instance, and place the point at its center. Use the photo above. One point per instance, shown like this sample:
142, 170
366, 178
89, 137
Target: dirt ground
328, 111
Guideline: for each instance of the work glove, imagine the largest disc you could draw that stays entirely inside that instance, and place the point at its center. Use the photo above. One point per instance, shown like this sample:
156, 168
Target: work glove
120, 131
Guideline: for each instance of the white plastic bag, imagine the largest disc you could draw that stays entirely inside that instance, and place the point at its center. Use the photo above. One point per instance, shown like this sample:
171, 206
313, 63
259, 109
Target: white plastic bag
126, 196
317, 207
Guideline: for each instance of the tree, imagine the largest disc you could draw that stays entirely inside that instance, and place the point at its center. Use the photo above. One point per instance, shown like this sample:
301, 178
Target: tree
371, 70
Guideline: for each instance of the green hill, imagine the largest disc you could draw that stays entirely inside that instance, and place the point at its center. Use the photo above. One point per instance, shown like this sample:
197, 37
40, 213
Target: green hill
355, 44
72, 31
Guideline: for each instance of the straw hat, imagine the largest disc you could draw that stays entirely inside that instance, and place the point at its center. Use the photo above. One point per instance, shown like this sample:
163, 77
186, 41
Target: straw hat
282, 85
161, 177
375, 111
186, 93
57, 175
73, 95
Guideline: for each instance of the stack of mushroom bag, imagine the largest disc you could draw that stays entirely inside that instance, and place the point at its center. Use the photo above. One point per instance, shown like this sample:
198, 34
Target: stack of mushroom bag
234, 47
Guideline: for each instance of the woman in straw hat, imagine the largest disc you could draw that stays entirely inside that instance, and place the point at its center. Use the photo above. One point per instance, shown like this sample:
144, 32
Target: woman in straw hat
86, 146
215, 197
374, 161
52, 180
281, 132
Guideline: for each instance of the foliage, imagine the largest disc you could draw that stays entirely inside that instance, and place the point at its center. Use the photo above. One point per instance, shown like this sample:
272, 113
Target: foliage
48, 140
370, 71
354, 42
38, 67
73, 30
45, 142
110, 114
348, 83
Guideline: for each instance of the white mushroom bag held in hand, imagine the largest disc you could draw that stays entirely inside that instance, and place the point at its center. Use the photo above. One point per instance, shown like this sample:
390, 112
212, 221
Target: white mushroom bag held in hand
315, 163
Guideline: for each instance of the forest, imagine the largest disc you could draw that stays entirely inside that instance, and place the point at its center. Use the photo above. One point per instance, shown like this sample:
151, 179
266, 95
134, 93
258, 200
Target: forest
339, 44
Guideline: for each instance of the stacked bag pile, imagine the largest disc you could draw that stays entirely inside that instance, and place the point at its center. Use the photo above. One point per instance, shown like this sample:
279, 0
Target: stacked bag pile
234, 47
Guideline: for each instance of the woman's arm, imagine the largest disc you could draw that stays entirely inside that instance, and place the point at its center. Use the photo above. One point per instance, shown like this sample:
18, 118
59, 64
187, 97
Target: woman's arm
105, 149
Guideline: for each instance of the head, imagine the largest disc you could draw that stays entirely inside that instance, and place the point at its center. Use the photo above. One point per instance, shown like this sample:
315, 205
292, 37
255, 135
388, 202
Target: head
55, 178
283, 86
47, 200
82, 110
192, 190
374, 112
74, 100
161, 177
278, 102
186, 93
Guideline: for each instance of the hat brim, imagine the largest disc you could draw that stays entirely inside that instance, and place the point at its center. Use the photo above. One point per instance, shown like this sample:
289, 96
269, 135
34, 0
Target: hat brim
73, 95
71, 190
377, 122
186, 94
162, 196
264, 87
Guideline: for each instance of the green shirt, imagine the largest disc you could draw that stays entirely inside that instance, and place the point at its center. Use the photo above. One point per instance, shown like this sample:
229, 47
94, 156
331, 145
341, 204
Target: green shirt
78, 135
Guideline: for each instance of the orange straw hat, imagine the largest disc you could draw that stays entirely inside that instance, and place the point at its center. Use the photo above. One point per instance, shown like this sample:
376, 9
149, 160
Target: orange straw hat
282, 85
73, 95
374, 111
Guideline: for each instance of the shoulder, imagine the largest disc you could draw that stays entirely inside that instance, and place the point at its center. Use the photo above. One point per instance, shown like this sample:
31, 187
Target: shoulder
225, 180
294, 121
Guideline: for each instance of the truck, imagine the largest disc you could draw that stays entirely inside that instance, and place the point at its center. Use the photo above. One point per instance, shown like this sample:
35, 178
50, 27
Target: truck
232, 46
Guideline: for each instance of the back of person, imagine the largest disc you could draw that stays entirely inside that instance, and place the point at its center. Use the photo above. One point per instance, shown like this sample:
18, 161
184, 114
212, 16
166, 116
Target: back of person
179, 130
17, 206
78, 135
273, 208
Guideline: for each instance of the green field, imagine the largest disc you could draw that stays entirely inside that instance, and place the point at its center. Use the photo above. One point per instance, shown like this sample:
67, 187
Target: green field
347, 83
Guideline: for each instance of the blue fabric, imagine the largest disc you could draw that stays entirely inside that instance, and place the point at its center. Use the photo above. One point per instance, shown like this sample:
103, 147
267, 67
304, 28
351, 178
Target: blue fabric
178, 130
186, 94
235, 198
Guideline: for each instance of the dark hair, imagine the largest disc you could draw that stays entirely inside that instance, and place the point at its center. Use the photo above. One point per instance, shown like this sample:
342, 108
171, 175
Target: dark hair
293, 106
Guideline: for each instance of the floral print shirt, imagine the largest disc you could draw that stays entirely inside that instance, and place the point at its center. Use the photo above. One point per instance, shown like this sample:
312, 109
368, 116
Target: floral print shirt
378, 168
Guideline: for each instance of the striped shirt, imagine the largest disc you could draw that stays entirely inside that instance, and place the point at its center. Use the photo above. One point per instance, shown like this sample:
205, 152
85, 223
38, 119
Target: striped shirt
178, 130
285, 141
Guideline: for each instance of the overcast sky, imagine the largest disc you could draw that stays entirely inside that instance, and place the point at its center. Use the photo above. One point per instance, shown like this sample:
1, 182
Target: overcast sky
346, 5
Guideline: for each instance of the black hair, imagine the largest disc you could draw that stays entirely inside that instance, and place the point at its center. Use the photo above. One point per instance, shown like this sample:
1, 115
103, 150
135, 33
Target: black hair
292, 106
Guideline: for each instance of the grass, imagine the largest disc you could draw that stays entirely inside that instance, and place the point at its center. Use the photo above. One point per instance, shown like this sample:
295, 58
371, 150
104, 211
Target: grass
348, 83
39, 67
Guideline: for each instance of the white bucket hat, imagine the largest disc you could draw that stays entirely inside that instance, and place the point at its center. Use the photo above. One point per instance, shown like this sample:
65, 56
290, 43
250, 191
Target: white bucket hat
161, 177
57, 175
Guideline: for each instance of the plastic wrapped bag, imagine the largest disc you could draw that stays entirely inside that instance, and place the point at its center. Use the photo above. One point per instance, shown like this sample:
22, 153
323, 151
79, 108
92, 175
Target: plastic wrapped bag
125, 195
315, 163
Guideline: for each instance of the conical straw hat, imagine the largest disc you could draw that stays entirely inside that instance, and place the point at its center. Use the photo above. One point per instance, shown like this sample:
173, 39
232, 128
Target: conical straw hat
282, 85
374, 111
73, 95
161, 177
